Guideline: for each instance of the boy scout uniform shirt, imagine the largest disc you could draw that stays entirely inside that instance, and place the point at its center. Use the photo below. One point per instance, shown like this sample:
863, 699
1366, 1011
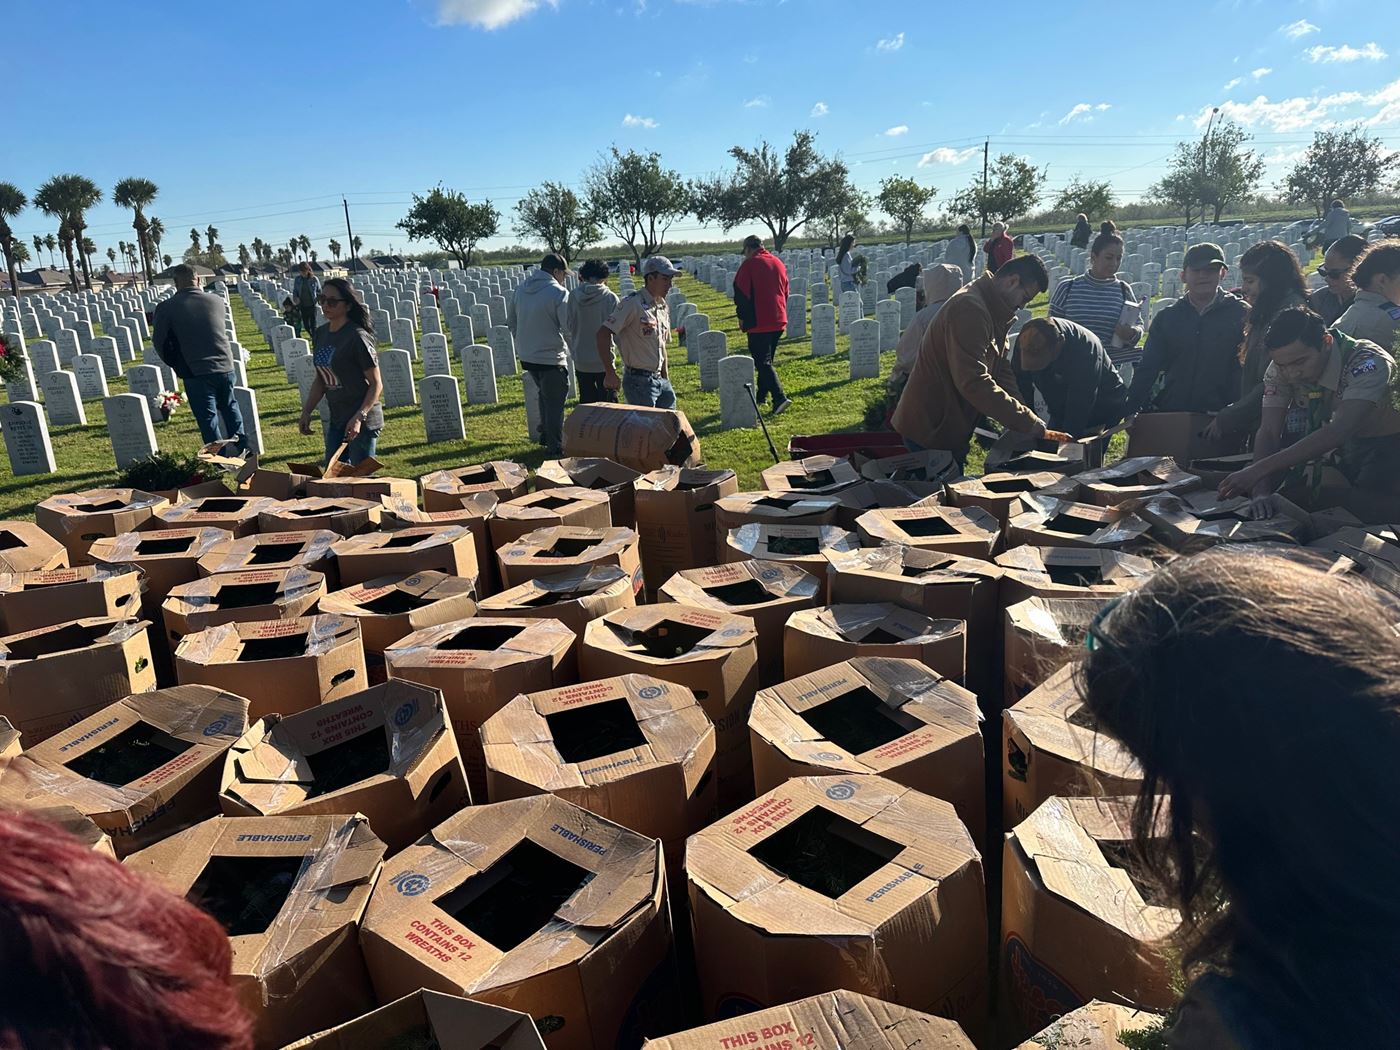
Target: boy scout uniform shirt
642, 326
1355, 371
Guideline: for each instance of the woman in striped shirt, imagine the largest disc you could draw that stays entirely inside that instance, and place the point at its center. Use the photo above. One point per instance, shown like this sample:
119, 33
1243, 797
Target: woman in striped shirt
1095, 299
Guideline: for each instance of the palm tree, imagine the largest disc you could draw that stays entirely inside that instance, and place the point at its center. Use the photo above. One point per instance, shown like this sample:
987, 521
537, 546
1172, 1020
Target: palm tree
39, 247
212, 232
335, 249
259, 246
22, 255
194, 239
51, 243
68, 198
156, 229
355, 244
313, 256
125, 249
89, 249
137, 194
166, 259
12, 202
112, 256
243, 254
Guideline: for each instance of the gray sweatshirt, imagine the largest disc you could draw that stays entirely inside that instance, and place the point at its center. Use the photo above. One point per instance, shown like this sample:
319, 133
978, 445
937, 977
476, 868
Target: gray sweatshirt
190, 336
537, 319
589, 306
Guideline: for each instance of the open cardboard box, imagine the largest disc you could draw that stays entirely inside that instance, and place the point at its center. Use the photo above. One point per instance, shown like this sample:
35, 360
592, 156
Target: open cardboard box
54, 811
1050, 746
834, 1020
281, 666
817, 638
370, 489
636, 436
534, 904
1212, 470
546, 508
924, 473
10, 746
237, 515
168, 557
337, 467
54, 676
1043, 635
711, 653
601, 475
634, 749
393, 607
767, 592
813, 476
475, 513
425, 1019
971, 532
851, 882
1069, 572
1014, 453
1138, 478
253, 479
387, 753
676, 519
574, 598
1196, 520
1095, 1026
25, 547
998, 494
479, 664
291, 892
449, 549
76, 519
802, 545
1180, 435
141, 769
770, 508
1051, 522
446, 489
545, 552
874, 715
1075, 926
279, 550
30, 600
342, 515
871, 495
240, 597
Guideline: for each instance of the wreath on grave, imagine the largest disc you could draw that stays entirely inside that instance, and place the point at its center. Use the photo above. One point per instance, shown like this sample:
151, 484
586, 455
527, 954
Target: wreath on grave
163, 472
11, 361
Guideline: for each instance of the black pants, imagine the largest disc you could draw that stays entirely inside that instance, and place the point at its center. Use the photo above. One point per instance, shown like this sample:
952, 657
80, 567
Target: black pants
590, 388
308, 322
763, 346
552, 390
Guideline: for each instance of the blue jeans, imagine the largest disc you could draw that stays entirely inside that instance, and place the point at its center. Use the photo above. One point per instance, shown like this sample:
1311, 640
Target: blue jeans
211, 400
648, 388
361, 449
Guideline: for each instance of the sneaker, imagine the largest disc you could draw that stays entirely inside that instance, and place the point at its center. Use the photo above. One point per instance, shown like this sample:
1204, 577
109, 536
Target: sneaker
782, 406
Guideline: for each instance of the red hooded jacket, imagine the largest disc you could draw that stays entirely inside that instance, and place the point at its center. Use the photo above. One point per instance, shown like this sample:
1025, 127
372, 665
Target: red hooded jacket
760, 293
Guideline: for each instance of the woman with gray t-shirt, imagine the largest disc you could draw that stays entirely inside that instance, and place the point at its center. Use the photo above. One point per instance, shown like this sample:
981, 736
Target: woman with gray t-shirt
347, 375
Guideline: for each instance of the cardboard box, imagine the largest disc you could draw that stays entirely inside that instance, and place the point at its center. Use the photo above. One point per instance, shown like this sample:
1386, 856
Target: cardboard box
76, 519
767, 592
871, 495
1049, 746
552, 911
549, 508
281, 666
804, 546
30, 600
24, 547
713, 654
999, 494
277, 550
971, 532
1095, 1026
644, 439
834, 1020
387, 753
1041, 636
574, 598
502, 478
1139, 478
1014, 453
676, 519
1050, 522
942, 587
369, 489
633, 749
814, 887
393, 607
475, 514
817, 638
167, 557
1197, 520
237, 515
1069, 572
9, 741
1180, 435
890, 717
602, 475
240, 597
54, 811
479, 664
425, 1018
448, 549
291, 891
141, 769
545, 552
770, 508
813, 476
55, 676
1212, 470
342, 515
924, 473
253, 479
1074, 925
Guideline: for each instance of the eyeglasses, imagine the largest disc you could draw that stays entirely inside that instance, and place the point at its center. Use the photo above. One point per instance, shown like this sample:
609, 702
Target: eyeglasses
1331, 275
326, 300
1092, 640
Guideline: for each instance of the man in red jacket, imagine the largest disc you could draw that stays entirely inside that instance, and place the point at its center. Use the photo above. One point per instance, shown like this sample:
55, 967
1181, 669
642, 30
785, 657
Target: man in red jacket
760, 300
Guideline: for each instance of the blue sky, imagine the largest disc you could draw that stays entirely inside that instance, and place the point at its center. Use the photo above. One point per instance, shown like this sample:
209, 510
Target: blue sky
257, 116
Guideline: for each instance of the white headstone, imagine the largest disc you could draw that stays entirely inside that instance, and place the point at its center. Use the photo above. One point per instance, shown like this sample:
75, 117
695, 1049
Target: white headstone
908, 301
497, 304
823, 330
27, 438
710, 347
851, 310
887, 314
247, 399
436, 362
304, 369
147, 381
819, 291
442, 409
481, 318
479, 373
92, 380
695, 324
503, 350
43, 355
21, 387
797, 317
735, 406
431, 318
402, 335
61, 401
381, 321
280, 334
129, 426
396, 370
865, 348
463, 331
68, 347
105, 350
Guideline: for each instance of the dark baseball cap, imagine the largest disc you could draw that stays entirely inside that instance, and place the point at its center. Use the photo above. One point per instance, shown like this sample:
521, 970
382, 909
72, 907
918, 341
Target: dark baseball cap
1199, 256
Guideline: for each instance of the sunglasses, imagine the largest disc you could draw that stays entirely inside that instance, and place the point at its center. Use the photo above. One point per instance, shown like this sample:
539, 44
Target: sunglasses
1093, 640
1331, 275
326, 300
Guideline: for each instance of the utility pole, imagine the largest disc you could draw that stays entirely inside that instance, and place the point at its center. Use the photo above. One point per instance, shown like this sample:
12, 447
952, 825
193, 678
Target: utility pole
1205, 149
349, 234
986, 148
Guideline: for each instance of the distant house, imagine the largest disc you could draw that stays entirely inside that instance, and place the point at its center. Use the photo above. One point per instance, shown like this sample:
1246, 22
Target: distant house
119, 279
317, 267
361, 265
43, 279
230, 270
391, 262
201, 273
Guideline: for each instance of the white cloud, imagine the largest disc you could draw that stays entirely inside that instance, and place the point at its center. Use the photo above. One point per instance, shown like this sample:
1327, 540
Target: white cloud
893, 43
944, 155
1371, 52
1300, 28
486, 14
897, 130
631, 121
821, 109
1230, 85
1289, 114
758, 102
1260, 73
1084, 111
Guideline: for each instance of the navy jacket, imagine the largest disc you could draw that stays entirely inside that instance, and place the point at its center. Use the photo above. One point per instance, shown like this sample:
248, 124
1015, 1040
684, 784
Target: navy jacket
1081, 387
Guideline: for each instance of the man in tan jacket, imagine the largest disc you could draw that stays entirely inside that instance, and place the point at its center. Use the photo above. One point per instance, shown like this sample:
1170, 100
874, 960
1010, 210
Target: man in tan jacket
964, 371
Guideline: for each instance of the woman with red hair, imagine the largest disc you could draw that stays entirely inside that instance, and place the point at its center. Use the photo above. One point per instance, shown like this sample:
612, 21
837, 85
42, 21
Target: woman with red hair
95, 957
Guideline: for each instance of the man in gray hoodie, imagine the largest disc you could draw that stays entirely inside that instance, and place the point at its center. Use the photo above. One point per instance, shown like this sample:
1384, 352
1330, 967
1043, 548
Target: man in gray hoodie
538, 319
590, 304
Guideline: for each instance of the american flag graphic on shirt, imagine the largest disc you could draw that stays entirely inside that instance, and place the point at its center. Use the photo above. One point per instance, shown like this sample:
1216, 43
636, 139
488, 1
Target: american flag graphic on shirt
322, 359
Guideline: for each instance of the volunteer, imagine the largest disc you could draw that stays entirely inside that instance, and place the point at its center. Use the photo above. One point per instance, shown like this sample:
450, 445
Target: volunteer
642, 325
1068, 366
347, 375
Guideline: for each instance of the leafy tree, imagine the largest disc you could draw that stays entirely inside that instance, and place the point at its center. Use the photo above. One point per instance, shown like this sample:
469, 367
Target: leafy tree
138, 194
1086, 196
1212, 174
1341, 162
12, 202
849, 213
555, 214
904, 201
68, 198
335, 248
446, 217
632, 195
784, 191
1013, 188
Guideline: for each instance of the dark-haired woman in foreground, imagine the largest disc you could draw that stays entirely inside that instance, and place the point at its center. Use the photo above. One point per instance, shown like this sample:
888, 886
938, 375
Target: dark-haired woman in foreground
1262, 698
347, 375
